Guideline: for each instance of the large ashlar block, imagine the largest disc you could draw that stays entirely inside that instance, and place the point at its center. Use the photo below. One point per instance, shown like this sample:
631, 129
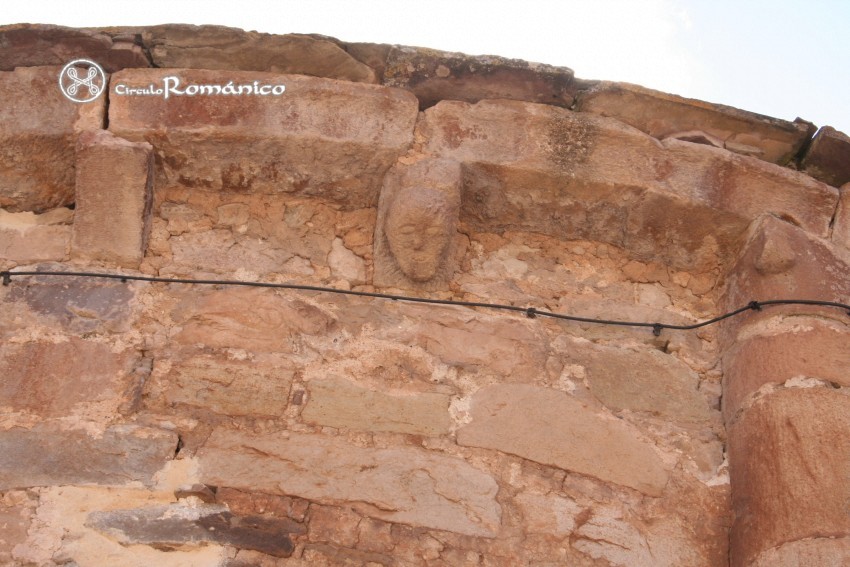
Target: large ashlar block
27, 238
37, 139
401, 484
577, 175
553, 428
114, 196
664, 115
789, 457
321, 137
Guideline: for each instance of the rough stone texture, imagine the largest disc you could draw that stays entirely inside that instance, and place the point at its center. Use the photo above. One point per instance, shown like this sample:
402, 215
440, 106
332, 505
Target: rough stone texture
220, 47
40, 128
548, 513
663, 115
416, 239
782, 261
27, 238
78, 305
841, 224
807, 553
789, 455
828, 157
16, 512
46, 455
645, 381
33, 45
36, 377
398, 484
225, 387
562, 431
254, 319
177, 525
568, 175
339, 403
438, 75
339, 155
803, 350
114, 197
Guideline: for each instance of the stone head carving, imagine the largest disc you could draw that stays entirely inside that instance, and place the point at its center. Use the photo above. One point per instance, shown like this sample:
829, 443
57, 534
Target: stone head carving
417, 225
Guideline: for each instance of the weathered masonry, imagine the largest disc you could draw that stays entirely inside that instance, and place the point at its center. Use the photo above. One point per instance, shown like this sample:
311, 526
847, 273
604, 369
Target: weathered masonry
149, 423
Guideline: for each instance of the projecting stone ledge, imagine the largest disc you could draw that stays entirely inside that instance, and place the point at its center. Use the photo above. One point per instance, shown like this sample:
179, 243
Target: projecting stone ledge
403, 485
665, 115
828, 158
563, 432
320, 137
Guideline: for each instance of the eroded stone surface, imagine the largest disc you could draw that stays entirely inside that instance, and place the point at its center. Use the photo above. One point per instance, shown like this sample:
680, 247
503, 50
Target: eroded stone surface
40, 128
438, 75
339, 403
46, 455
57, 379
32, 45
841, 224
338, 138
807, 553
177, 525
114, 193
416, 230
225, 387
663, 115
398, 484
828, 157
220, 47
563, 432
789, 454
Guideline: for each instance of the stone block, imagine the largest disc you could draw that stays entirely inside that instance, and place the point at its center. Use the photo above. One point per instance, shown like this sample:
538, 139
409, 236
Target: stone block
46, 455
548, 513
439, 75
174, 526
550, 427
339, 403
828, 157
78, 305
230, 388
810, 349
246, 503
114, 197
17, 509
539, 168
402, 485
33, 45
841, 224
783, 261
663, 115
788, 455
253, 319
40, 130
27, 238
814, 552
232, 49
61, 379
338, 138
644, 381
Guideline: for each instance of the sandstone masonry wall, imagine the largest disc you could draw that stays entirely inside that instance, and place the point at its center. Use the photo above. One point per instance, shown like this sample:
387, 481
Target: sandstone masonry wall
176, 424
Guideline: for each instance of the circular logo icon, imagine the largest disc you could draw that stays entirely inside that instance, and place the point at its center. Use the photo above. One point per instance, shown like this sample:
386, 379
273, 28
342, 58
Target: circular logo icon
82, 80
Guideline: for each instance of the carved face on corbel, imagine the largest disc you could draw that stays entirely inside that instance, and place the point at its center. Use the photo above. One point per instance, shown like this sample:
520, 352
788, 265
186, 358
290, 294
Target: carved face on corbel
420, 225
417, 225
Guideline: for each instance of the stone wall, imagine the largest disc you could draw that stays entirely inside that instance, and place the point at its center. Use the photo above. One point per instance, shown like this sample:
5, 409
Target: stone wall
146, 423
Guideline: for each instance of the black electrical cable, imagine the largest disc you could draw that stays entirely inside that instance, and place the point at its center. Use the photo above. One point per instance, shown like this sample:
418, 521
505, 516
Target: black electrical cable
530, 312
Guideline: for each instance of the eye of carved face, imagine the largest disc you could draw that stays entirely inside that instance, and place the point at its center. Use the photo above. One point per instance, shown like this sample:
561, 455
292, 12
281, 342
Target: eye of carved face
419, 230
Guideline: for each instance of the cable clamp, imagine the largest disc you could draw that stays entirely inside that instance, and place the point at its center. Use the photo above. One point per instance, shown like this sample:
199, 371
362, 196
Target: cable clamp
531, 312
656, 329
754, 305
7, 278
